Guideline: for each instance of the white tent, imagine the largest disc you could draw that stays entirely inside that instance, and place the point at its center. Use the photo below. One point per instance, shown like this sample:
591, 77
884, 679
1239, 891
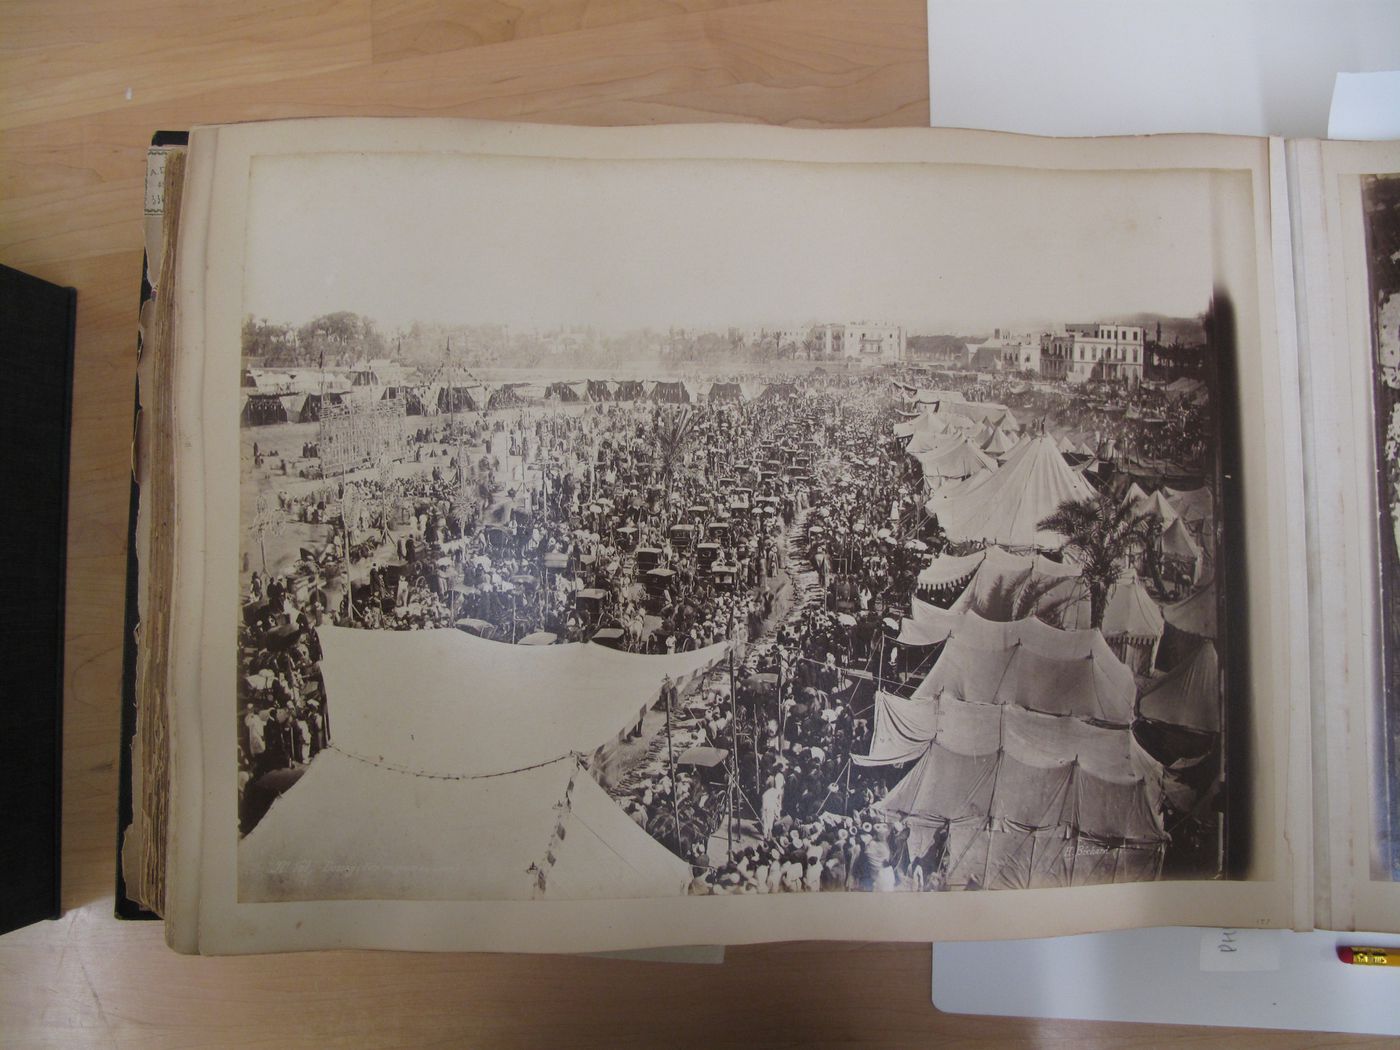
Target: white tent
950, 570
1196, 506
1194, 614
1084, 649
1192, 504
998, 442
1011, 586
1134, 495
1132, 622
486, 755
1008, 587
1188, 695
1156, 505
926, 432
1009, 506
1024, 764
981, 411
954, 459
1177, 542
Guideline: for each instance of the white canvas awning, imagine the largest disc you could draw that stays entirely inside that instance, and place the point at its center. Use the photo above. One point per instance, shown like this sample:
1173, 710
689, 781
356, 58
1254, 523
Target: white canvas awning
549, 832
481, 706
480, 743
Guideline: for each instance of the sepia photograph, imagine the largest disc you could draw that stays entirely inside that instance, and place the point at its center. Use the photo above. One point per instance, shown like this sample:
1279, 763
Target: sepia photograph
1381, 202
641, 554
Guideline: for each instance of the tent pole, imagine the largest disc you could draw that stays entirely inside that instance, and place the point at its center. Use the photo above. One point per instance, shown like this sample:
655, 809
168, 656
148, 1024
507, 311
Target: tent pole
1074, 827
671, 764
733, 736
992, 795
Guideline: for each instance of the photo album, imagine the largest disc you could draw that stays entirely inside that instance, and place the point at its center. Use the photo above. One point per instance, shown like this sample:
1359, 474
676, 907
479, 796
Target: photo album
556, 539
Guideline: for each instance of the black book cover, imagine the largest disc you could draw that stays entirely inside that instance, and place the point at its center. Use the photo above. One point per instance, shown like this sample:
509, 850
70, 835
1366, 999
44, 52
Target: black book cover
39, 321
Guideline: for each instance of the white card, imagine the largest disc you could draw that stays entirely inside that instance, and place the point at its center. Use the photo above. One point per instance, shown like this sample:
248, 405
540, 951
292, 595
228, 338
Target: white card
1133, 67
1240, 950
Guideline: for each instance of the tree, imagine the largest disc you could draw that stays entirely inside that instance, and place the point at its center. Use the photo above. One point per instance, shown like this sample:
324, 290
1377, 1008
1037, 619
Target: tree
673, 433
340, 335
272, 344
1101, 531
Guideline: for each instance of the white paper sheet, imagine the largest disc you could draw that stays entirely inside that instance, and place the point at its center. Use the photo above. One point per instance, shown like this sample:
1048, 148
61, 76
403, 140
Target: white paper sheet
1175, 975
1129, 67
1365, 106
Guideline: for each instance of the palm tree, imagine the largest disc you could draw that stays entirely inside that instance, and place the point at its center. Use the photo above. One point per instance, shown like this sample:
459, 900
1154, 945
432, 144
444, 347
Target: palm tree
1101, 531
673, 434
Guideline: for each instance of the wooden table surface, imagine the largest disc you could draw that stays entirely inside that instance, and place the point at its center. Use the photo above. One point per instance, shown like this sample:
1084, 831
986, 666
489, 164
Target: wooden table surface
82, 87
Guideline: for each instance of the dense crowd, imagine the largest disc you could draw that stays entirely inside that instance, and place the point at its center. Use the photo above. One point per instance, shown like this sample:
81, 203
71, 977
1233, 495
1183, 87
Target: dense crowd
793, 526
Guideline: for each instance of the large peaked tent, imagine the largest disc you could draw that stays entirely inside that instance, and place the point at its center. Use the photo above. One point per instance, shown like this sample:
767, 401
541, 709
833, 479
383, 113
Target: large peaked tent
1008, 508
1132, 622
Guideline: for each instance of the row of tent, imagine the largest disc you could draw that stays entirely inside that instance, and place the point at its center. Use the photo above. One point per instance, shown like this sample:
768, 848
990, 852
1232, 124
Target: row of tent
1005, 587
1001, 587
675, 391
994, 428
262, 409
1024, 762
950, 402
975, 500
435, 399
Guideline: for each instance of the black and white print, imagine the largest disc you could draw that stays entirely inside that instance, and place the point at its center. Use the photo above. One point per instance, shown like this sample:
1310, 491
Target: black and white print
670, 595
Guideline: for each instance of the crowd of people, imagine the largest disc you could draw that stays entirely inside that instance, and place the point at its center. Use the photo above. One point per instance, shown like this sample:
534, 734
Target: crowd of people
791, 526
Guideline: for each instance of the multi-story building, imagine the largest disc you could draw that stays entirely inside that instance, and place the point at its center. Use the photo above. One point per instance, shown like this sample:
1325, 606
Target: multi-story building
781, 337
1100, 351
1005, 352
870, 342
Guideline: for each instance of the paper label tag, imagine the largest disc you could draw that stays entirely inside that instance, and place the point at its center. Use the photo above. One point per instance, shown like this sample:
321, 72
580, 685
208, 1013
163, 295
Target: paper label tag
155, 180
1239, 950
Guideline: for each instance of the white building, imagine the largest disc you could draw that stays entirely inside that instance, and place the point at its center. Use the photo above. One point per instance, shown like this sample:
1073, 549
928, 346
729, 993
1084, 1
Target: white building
867, 341
1100, 351
782, 337
1006, 352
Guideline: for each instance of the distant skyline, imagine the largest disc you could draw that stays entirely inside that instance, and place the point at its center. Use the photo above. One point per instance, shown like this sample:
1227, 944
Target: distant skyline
460, 240
772, 326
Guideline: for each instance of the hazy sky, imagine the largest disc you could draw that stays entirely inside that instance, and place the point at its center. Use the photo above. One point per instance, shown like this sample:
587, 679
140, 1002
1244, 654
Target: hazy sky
537, 242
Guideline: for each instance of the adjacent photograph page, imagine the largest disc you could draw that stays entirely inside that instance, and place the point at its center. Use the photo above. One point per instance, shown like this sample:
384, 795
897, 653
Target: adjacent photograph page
1361, 186
613, 538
